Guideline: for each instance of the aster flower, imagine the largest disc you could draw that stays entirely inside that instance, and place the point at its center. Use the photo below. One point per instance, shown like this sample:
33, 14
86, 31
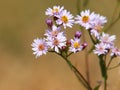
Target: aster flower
56, 10
97, 24
100, 49
115, 52
85, 18
39, 47
65, 19
108, 40
56, 42
75, 45
54, 32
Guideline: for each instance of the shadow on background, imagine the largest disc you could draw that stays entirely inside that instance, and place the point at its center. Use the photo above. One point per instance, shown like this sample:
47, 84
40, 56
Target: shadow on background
23, 20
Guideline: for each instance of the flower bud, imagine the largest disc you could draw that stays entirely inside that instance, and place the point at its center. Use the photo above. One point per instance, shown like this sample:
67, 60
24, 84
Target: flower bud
49, 22
78, 34
68, 43
84, 45
63, 48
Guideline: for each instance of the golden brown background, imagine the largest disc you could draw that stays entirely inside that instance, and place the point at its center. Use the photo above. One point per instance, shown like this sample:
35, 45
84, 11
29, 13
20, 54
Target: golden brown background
23, 20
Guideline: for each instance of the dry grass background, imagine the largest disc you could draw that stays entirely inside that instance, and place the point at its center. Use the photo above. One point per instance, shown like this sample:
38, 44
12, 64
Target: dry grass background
23, 20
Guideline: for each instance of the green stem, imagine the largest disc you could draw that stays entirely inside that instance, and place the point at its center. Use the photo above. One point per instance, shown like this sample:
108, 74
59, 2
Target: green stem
78, 74
112, 22
74, 69
93, 41
109, 62
103, 70
105, 84
86, 60
78, 6
114, 67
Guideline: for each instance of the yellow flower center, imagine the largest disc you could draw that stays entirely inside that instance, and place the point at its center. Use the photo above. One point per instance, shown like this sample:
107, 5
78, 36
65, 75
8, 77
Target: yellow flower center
106, 38
56, 42
98, 28
85, 19
64, 19
55, 10
76, 45
41, 47
54, 33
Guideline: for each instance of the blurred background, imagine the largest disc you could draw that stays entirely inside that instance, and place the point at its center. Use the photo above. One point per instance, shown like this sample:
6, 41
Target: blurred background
21, 21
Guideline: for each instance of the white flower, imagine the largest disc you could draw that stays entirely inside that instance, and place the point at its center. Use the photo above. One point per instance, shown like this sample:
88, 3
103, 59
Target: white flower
115, 51
100, 49
56, 42
97, 24
75, 45
85, 18
54, 32
95, 33
39, 47
56, 10
108, 40
65, 19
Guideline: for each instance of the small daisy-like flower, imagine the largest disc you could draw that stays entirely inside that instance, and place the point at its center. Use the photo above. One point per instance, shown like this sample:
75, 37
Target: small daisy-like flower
56, 10
100, 49
65, 19
56, 42
108, 40
75, 45
115, 52
97, 24
85, 18
54, 32
39, 47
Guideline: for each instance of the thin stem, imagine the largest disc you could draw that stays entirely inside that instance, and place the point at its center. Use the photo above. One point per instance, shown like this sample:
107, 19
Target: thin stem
86, 61
109, 62
93, 41
105, 84
77, 73
78, 6
114, 67
112, 22
69, 54
74, 69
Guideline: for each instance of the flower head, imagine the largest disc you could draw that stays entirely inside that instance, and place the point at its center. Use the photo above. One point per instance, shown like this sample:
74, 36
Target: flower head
85, 18
39, 47
56, 10
97, 24
75, 45
65, 19
108, 40
100, 49
54, 32
115, 52
56, 42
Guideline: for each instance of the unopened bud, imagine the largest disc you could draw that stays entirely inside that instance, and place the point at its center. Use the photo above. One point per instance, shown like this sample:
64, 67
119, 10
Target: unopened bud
84, 45
49, 23
63, 48
68, 43
78, 34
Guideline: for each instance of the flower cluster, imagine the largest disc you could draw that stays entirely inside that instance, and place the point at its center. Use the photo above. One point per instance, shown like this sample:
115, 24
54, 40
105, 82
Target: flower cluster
91, 21
55, 39
106, 44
